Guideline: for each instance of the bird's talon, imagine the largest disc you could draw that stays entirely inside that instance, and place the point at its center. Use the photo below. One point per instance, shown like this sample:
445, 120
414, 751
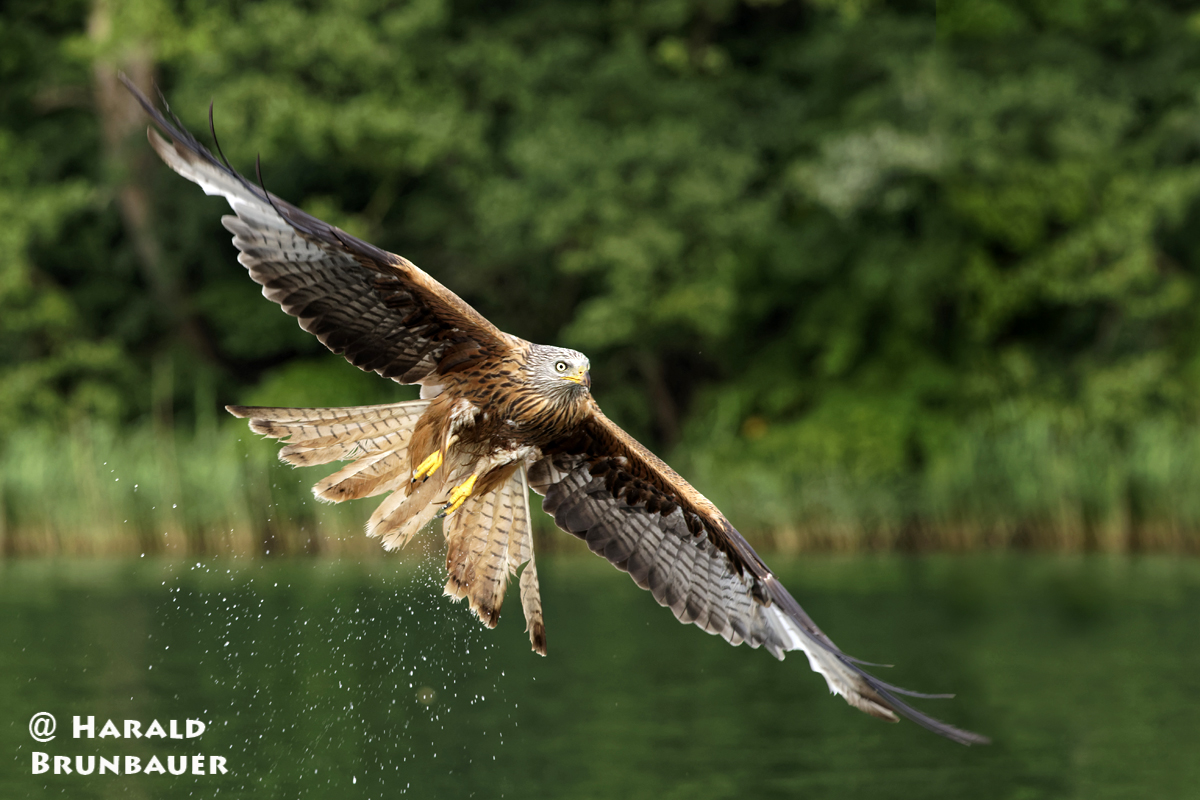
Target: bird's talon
427, 467
458, 496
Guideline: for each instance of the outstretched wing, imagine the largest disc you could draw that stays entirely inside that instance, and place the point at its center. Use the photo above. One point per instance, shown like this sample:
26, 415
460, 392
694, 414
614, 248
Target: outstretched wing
377, 309
604, 487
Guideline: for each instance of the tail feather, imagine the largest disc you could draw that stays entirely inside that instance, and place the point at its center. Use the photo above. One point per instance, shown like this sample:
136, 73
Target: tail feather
488, 540
477, 538
305, 455
531, 604
324, 427
520, 552
376, 438
367, 477
402, 513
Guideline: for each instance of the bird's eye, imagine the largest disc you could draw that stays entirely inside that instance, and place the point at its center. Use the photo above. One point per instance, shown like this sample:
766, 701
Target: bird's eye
561, 366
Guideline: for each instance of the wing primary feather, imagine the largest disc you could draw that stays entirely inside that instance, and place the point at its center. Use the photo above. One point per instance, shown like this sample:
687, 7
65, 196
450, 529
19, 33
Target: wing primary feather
263, 186
862, 663
212, 129
927, 722
858, 687
909, 692
178, 130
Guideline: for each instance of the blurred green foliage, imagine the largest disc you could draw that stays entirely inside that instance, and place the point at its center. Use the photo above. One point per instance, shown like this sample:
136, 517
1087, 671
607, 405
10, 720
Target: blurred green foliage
867, 266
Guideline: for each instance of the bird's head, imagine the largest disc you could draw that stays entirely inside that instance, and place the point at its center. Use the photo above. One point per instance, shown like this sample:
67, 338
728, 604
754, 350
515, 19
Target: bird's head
559, 372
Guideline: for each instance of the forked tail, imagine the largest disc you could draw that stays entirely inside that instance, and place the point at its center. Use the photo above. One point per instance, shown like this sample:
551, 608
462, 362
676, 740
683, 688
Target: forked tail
374, 439
489, 539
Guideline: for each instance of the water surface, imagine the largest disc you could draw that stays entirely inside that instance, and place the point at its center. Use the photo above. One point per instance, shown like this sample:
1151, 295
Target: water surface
322, 679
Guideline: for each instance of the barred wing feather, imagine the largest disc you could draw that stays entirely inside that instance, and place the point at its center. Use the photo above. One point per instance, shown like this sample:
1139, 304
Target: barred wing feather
377, 309
629, 507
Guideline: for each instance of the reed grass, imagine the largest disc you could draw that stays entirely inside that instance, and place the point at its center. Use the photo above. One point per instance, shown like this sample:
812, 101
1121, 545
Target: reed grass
1029, 482
94, 490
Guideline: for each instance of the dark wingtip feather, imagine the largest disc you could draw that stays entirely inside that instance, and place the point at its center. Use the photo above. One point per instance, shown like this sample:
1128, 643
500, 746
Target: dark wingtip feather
537, 637
266, 194
303, 223
924, 720
179, 133
860, 662
212, 129
885, 693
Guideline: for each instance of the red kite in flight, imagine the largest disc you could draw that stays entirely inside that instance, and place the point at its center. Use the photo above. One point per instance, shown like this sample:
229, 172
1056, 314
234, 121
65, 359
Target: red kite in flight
497, 416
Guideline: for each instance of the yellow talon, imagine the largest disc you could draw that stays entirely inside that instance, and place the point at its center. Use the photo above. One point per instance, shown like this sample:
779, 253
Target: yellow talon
458, 496
429, 466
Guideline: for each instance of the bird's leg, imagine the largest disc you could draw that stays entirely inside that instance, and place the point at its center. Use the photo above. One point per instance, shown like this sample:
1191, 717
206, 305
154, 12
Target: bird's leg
428, 466
432, 462
459, 495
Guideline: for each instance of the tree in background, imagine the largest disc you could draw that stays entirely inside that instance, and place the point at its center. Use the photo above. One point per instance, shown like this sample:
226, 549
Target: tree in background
869, 271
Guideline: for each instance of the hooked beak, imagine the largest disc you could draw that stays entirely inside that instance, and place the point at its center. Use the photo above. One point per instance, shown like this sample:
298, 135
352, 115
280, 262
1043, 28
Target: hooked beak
581, 376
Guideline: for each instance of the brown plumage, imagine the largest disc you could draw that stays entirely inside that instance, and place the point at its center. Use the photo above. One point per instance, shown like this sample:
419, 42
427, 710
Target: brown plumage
498, 415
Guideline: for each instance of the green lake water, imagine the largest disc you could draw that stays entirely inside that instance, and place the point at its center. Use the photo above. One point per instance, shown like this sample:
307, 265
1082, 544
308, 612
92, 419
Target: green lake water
326, 679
